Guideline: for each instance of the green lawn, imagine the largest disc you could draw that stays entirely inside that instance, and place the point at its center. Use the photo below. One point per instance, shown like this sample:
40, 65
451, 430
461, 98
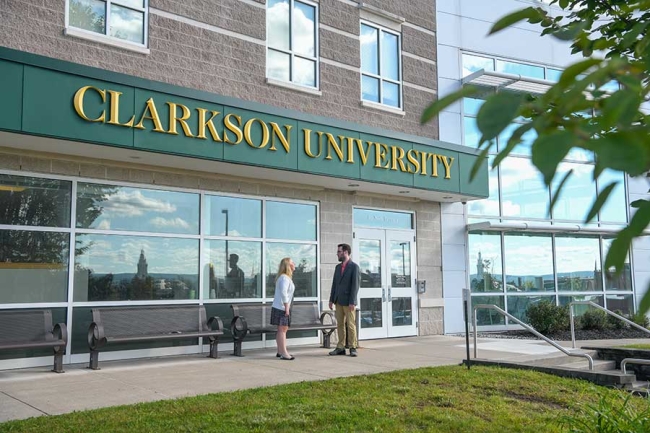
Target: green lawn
442, 399
638, 346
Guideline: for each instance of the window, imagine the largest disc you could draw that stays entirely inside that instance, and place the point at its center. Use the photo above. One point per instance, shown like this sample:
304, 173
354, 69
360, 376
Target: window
120, 20
380, 66
292, 53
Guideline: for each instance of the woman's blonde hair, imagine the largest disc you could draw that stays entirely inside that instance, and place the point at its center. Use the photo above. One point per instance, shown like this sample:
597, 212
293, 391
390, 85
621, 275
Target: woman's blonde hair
284, 268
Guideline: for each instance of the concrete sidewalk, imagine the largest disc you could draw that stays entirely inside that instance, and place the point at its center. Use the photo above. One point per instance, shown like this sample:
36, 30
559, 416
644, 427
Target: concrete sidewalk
32, 392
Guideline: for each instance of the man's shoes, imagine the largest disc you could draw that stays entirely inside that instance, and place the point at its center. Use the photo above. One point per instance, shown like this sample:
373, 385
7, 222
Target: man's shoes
353, 352
337, 351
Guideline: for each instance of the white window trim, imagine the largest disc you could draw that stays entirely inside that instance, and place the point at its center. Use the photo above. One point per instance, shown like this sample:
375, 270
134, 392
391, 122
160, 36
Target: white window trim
293, 85
399, 82
107, 39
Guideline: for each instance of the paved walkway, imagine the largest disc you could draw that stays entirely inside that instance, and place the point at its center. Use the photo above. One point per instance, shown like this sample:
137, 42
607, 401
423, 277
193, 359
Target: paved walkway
32, 392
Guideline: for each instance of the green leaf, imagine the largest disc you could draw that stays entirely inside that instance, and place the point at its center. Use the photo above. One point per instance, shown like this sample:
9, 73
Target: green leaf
621, 108
556, 194
550, 149
624, 151
600, 201
571, 31
644, 306
515, 17
621, 245
497, 113
437, 106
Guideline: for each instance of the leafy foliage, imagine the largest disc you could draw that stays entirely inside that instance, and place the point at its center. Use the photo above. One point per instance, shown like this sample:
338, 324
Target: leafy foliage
610, 415
548, 318
594, 320
613, 37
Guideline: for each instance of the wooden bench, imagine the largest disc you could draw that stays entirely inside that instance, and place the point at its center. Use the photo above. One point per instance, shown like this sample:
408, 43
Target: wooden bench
255, 318
150, 323
32, 329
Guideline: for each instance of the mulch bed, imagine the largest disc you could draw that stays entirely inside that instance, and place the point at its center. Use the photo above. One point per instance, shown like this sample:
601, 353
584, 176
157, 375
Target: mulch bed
609, 334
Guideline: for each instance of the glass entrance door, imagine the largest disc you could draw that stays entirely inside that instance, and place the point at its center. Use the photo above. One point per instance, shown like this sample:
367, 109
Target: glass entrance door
387, 290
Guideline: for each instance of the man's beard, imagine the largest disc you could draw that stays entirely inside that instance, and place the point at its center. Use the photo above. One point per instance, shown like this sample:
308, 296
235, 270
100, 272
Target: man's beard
341, 259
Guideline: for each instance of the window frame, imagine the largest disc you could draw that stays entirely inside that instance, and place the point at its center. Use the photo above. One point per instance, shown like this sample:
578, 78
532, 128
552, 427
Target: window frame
105, 38
290, 51
399, 83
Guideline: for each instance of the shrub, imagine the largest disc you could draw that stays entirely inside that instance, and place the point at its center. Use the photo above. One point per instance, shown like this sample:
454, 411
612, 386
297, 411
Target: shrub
594, 319
614, 323
641, 320
548, 318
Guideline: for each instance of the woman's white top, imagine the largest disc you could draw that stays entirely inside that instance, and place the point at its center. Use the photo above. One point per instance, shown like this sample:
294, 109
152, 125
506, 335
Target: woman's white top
284, 289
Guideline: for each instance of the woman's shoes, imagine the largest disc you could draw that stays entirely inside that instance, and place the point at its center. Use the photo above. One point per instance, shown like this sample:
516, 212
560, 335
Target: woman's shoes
284, 358
277, 355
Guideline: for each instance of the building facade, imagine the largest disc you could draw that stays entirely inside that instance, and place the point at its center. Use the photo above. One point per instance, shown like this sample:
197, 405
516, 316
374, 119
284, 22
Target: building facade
166, 152
507, 249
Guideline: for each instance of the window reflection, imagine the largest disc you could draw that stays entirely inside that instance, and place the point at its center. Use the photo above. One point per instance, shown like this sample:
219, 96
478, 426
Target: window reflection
380, 51
578, 264
127, 24
279, 65
524, 147
520, 69
369, 50
473, 63
233, 269
620, 303
522, 189
121, 268
304, 276
305, 72
232, 216
622, 281
517, 305
369, 89
304, 36
485, 261
30, 201
614, 209
487, 317
277, 17
88, 15
402, 312
488, 206
391, 94
471, 106
389, 56
529, 262
371, 313
553, 74
370, 262
290, 221
580, 309
578, 192
33, 266
400, 264
110, 207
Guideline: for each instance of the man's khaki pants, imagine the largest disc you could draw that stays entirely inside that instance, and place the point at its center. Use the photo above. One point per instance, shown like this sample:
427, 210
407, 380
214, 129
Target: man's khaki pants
345, 316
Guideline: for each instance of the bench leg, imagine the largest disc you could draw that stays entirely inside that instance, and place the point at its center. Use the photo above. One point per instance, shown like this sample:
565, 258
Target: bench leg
213, 348
237, 351
326, 339
94, 360
58, 362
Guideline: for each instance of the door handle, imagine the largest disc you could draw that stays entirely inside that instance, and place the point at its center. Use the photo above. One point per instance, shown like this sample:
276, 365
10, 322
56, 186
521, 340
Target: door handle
383, 294
390, 299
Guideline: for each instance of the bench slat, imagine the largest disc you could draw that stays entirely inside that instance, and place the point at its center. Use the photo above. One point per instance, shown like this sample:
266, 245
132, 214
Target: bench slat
24, 326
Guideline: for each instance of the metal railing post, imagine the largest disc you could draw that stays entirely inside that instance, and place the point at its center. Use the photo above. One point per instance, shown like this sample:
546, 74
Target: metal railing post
573, 327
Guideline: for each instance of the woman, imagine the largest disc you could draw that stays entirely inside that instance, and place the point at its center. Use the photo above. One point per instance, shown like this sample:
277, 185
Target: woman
280, 311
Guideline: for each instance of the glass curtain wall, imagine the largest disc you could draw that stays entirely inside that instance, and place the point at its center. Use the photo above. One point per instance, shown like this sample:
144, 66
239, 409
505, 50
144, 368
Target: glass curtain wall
514, 270
135, 245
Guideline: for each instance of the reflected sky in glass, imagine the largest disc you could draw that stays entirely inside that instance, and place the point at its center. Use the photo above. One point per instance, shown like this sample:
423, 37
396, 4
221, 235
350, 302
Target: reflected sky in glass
111, 207
243, 216
400, 263
369, 89
485, 262
578, 193
389, 56
127, 24
304, 34
473, 63
615, 208
290, 221
277, 21
278, 65
529, 263
553, 74
116, 254
369, 261
369, 50
520, 69
524, 148
304, 276
490, 205
88, 15
471, 105
391, 94
132, 3
578, 263
523, 191
304, 72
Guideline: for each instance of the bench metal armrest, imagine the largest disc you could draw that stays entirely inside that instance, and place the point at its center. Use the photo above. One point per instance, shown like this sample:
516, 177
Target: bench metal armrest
60, 332
212, 321
240, 333
332, 318
96, 336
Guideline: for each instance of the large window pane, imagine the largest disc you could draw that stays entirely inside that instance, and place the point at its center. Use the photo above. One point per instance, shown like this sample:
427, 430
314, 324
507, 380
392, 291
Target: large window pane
278, 65
277, 16
232, 216
400, 264
304, 277
59, 315
369, 50
553, 74
88, 15
517, 305
529, 263
33, 266
490, 205
290, 221
485, 273
304, 35
389, 56
485, 316
614, 209
127, 24
620, 302
233, 270
525, 145
623, 281
578, 192
471, 106
122, 268
578, 264
522, 189
29, 201
110, 207
370, 266
520, 69
580, 309
473, 63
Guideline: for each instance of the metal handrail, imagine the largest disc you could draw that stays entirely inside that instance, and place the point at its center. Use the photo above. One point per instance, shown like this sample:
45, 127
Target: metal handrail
593, 304
633, 361
530, 329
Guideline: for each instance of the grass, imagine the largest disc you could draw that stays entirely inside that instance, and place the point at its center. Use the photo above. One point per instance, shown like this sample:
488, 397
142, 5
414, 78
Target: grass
441, 399
637, 346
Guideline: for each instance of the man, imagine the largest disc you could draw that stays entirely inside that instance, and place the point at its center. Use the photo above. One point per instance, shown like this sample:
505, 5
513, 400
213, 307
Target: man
345, 288
235, 277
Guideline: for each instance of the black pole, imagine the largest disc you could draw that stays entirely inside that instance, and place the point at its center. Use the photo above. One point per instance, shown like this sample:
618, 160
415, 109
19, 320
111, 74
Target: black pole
466, 327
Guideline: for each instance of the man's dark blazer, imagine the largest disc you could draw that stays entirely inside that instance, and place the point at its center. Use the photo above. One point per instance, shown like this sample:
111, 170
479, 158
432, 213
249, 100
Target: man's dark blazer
345, 288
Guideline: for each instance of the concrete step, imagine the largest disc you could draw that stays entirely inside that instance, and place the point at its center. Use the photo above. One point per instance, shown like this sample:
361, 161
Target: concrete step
562, 359
639, 387
583, 364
